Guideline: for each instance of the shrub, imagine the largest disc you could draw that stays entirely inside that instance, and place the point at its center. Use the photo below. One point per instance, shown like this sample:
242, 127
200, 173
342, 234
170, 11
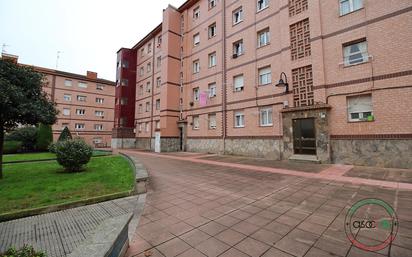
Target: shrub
26, 251
73, 154
26, 135
52, 147
11, 147
65, 135
44, 137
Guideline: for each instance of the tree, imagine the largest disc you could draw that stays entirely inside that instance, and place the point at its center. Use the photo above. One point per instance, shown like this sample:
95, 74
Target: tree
65, 135
44, 137
26, 135
73, 154
22, 100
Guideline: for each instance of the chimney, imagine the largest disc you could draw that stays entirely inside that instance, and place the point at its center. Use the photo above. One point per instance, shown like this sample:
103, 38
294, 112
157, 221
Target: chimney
10, 57
91, 75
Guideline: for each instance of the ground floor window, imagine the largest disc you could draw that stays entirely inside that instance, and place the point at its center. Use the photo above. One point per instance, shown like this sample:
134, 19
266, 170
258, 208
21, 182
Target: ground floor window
239, 119
360, 108
266, 117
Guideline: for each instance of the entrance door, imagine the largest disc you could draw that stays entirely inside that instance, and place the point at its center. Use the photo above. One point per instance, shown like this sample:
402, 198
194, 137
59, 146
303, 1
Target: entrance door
304, 137
157, 142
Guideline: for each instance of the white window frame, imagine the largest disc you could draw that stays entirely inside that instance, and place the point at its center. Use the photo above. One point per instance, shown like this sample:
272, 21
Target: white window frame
353, 5
149, 67
212, 30
79, 126
141, 71
81, 98
82, 84
237, 15
238, 48
158, 124
212, 59
140, 127
239, 119
363, 50
212, 120
147, 108
124, 101
80, 112
212, 4
99, 113
237, 86
124, 82
148, 87
157, 104
265, 76
266, 117
98, 127
159, 61
196, 13
263, 37
212, 90
141, 90
99, 100
147, 127
262, 4
365, 106
140, 108
66, 111
99, 87
196, 122
196, 94
158, 81
67, 97
196, 39
196, 66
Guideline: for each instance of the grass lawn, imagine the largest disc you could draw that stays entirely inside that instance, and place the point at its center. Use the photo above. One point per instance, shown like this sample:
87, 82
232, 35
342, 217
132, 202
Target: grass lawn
40, 156
39, 184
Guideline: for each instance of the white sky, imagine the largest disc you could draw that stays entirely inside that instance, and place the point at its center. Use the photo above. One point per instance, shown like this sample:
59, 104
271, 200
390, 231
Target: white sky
88, 32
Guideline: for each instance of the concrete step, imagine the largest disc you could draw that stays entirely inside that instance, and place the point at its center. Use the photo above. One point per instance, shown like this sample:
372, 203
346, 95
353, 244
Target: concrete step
304, 158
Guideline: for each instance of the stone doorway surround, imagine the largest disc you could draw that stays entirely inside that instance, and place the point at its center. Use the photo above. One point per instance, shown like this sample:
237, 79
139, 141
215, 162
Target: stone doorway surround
320, 113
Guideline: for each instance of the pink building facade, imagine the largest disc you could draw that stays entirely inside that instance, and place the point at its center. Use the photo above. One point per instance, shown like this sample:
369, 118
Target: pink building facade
207, 79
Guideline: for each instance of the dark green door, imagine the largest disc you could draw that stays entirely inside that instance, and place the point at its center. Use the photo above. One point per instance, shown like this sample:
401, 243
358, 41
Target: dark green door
304, 136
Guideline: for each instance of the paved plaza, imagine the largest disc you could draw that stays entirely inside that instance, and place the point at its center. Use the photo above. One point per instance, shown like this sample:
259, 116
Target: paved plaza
204, 205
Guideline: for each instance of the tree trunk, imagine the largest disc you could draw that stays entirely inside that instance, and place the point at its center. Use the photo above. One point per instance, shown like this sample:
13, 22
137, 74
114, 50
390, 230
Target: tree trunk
1, 149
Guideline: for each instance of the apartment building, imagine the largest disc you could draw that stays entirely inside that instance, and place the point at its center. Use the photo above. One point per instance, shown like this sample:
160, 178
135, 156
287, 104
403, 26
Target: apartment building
329, 81
85, 104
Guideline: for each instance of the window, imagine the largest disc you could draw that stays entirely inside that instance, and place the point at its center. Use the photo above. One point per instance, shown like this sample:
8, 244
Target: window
196, 39
82, 84
212, 30
140, 108
99, 113
66, 111
263, 37
142, 52
158, 82
212, 121
149, 67
125, 64
68, 83
265, 76
262, 4
67, 98
196, 94
158, 124
141, 90
196, 66
149, 48
80, 112
148, 87
81, 98
140, 127
266, 117
196, 124
141, 72
122, 121
99, 87
147, 106
212, 90
99, 100
147, 127
125, 82
237, 15
360, 108
212, 59
196, 13
159, 41
123, 101
237, 48
97, 140
159, 61
79, 126
157, 104
212, 3
239, 119
348, 6
238, 83
65, 125
354, 53
98, 127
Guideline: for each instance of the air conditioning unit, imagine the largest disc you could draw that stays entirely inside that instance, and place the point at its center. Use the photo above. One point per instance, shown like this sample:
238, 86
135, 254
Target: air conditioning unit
235, 56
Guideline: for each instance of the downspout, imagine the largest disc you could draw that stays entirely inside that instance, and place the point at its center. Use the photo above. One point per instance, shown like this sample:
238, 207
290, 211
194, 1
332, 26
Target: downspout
224, 78
152, 91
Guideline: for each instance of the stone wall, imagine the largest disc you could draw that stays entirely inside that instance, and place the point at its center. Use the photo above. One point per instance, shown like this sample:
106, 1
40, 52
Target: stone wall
204, 145
375, 152
123, 143
263, 148
169, 144
144, 143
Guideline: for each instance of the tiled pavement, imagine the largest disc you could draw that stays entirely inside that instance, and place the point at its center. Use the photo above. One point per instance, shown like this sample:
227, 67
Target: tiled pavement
197, 209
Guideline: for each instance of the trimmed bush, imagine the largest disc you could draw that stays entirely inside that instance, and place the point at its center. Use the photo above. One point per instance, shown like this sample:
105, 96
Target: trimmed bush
65, 135
26, 135
44, 137
11, 147
26, 251
73, 154
52, 147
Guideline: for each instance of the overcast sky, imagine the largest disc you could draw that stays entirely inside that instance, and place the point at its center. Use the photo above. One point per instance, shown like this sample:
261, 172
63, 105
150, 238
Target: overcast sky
88, 32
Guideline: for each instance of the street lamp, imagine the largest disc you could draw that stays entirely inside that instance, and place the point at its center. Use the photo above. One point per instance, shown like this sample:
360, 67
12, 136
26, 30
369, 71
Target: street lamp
283, 83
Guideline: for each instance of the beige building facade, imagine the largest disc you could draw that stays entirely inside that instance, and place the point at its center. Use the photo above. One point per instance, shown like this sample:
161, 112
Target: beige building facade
326, 80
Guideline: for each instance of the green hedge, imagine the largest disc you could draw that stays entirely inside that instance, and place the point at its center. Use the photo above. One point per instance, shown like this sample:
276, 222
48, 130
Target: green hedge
11, 147
26, 251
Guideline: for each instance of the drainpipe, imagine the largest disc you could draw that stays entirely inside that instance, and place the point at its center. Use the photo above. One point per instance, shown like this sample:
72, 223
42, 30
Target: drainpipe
224, 78
152, 91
